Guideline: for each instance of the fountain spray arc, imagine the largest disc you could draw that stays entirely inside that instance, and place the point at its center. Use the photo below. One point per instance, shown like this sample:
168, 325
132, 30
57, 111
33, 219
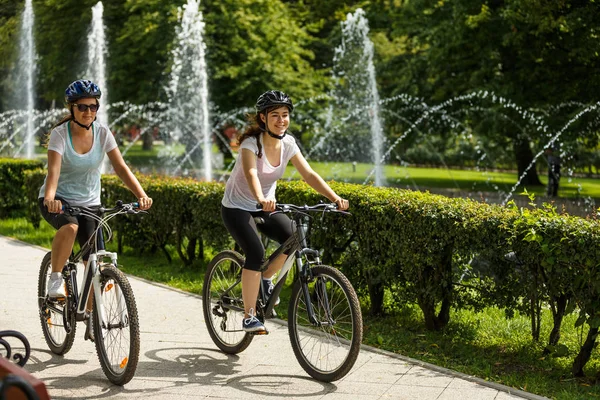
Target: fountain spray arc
27, 73
188, 87
354, 72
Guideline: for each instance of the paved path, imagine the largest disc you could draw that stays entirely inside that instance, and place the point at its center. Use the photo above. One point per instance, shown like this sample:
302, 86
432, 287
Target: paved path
179, 361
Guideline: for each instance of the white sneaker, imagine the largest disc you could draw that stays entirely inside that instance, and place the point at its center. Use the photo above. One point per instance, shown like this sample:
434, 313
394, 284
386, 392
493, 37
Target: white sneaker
56, 286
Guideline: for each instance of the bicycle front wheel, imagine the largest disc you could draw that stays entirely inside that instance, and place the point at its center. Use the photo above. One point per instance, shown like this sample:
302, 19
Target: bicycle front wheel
116, 331
222, 302
58, 324
327, 341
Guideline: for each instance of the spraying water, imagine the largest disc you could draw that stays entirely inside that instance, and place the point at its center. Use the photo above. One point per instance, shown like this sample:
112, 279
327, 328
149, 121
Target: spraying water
27, 73
188, 87
96, 68
356, 88
96, 65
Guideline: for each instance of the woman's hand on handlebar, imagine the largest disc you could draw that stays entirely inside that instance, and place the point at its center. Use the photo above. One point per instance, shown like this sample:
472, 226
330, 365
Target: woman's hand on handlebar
54, 206
145, 203
342, 204
267, 204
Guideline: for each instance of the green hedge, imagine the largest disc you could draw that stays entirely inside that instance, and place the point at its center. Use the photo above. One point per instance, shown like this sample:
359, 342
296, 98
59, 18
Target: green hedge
13, 200
440, 253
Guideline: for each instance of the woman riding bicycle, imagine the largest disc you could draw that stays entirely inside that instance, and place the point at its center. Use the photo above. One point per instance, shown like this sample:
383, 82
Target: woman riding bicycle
265, 150
76, 150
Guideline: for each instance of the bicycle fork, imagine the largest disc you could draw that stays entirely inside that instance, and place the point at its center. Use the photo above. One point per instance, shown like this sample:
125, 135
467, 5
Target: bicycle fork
96, 285
320, 288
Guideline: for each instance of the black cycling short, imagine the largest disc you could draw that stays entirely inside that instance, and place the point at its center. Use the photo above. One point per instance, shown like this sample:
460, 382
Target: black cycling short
243, 229
86, 225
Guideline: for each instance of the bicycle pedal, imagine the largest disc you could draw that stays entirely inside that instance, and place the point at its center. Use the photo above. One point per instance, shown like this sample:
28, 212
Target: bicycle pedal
260, 333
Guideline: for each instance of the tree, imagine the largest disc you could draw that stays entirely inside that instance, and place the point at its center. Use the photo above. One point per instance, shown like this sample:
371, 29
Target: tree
9, 27
532, 52
261, 47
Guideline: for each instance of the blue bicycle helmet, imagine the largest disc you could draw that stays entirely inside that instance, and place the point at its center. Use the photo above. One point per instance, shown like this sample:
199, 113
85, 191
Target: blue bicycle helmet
82, 89
273, 98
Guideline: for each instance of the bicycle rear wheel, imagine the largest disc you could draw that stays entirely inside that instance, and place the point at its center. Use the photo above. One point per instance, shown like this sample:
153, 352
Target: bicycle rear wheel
58, 326
328, 347
117, 335
222, 302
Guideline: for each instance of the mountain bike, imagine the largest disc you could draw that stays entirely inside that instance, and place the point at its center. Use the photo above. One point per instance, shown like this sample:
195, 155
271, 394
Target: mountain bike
324, 316
114, 321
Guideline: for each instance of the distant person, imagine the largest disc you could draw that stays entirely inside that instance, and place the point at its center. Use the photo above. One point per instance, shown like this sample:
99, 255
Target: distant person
553, 171
75, 152
265, 150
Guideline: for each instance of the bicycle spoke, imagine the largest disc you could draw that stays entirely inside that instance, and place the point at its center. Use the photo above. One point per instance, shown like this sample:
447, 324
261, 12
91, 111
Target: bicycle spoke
117, 334
222, 302
326, 348
57, 336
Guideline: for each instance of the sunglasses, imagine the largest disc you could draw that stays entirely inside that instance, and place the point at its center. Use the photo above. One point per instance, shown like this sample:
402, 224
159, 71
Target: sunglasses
84, 107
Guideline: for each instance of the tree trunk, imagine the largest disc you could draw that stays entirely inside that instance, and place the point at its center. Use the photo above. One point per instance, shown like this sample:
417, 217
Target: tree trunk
200, 249
376, 297
585, 353
427, 302
191, 250
435, 322
558, 306
524, 157
179, 247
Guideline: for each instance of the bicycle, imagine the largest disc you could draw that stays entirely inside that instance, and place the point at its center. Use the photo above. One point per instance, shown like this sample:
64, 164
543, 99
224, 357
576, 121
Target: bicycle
324, 316
114, 319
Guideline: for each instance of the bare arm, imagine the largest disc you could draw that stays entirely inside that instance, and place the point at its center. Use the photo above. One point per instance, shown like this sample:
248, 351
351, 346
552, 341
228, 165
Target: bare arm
54, 164
123, 172
316, 182
251, 174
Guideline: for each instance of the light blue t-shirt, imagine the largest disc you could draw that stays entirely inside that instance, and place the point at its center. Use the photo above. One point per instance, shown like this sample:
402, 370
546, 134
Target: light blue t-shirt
79, 180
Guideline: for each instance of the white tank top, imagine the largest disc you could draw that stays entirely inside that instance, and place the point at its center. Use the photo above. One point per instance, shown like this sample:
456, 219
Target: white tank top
237, 191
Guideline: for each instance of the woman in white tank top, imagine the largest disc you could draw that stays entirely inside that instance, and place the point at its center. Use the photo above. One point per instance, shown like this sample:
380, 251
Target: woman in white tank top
264, 152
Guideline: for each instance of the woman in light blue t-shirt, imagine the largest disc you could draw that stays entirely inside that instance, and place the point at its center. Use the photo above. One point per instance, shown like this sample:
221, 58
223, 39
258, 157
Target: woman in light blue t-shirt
76, 149
265, 150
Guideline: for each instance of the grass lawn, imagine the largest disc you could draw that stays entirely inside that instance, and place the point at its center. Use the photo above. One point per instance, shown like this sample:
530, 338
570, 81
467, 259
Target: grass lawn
453, 179
483, 344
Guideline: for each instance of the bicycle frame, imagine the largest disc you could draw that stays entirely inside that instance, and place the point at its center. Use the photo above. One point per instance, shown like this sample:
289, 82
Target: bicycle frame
296, 247
91, 276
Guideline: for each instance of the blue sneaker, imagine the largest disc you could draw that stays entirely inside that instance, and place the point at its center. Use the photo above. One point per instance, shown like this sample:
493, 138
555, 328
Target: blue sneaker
268, 286
252, 324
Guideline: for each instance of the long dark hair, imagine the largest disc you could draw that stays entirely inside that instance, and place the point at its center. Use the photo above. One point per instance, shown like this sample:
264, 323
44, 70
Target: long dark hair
63, 120
256, 128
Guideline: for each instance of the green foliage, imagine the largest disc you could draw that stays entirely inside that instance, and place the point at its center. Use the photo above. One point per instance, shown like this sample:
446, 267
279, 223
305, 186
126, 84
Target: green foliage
8, 54
13, 199
140, 34
256, 45
33, 179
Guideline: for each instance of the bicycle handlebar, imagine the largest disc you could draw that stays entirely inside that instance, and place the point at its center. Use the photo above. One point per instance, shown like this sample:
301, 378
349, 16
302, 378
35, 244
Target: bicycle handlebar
323, 207
129, 208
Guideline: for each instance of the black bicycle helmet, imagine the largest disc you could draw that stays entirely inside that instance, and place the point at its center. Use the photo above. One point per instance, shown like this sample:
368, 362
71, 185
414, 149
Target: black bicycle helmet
273, 98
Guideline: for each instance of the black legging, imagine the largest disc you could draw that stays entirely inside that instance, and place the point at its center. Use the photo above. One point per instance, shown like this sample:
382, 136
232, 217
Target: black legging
243, 229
